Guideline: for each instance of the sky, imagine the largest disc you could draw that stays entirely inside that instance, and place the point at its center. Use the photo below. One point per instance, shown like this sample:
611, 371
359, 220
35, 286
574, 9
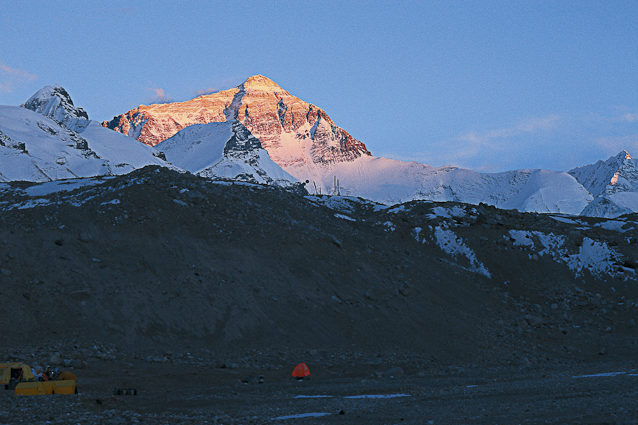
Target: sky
485, 85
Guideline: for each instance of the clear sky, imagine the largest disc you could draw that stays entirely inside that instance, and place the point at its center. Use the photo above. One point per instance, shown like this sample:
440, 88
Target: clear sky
487, 85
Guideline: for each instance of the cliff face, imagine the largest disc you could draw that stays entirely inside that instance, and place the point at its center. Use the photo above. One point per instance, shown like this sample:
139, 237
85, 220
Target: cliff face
293, 132
155, 123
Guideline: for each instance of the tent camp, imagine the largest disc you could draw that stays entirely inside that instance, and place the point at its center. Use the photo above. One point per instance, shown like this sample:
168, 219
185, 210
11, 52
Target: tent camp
18, 377
17, 371
301, 371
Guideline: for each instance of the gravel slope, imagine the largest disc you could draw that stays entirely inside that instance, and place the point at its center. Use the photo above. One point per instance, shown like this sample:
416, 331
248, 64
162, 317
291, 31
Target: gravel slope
141, 280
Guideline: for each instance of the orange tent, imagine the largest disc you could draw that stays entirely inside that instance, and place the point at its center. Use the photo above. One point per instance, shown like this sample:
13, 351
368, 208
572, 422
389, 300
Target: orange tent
301, 371
67, 376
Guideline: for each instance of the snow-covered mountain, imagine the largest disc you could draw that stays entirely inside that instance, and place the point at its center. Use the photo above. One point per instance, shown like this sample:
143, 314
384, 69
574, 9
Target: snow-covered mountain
224, 150
55, 103
389, 181
260, 133
293, 132
613, 183
306, 143
50, 139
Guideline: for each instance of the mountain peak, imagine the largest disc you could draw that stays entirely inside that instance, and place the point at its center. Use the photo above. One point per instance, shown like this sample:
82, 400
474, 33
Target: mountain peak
55, 103
604, 178
623, 155
294, 132
259, 82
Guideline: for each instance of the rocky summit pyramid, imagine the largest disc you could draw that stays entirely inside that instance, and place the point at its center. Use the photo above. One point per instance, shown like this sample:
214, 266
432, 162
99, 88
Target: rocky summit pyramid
290, 129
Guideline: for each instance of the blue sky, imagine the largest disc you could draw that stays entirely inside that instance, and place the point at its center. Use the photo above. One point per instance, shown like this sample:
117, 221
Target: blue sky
487, 85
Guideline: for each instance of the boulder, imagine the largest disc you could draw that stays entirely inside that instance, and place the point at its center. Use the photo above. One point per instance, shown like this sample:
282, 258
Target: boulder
56, 359
392, 372
534, 321
85, 237
82, 294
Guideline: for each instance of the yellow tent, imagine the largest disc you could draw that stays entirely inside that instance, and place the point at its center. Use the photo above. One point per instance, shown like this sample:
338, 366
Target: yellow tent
7, 368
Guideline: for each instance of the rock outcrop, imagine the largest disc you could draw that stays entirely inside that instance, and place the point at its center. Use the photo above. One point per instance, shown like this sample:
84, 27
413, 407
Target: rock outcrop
617, 174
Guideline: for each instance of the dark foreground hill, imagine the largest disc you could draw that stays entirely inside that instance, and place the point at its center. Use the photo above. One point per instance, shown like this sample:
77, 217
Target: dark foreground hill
163, 267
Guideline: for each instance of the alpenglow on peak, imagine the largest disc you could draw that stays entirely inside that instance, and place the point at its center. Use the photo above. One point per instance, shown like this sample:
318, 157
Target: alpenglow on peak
259, 82
294, 132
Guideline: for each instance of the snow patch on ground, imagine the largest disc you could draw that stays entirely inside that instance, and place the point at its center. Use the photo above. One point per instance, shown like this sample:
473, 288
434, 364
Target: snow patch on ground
313, 396
613, 225
444, 212
237, 183
39, 195
416, 233
48, 188
378, 396
451, 245
397, 209
390, 226
345, 217
598, 375
381, 207
552, 244
301, 415
343, 204
32, 204
596, 257
521, 238
566, 220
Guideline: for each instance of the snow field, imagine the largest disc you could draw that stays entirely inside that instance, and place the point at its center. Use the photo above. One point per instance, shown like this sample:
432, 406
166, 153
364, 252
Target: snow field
454, 246
596, 257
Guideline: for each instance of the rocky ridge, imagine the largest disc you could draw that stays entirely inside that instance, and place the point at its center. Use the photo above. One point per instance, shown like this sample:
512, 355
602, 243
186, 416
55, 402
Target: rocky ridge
48, 138
220, 249
617, 174
36, 147
301, 139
